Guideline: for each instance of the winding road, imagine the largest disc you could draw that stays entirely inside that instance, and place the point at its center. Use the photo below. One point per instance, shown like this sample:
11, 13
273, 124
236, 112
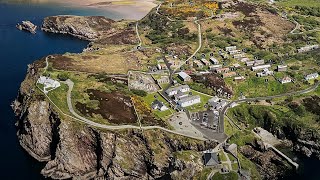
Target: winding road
225, 108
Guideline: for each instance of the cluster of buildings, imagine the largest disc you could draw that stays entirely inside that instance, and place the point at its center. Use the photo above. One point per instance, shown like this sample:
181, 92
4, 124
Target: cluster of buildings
49, 84
308, 48
181, 95
311, 76
212, 63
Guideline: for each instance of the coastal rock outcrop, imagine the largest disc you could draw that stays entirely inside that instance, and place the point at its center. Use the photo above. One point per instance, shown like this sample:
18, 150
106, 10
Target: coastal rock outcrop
27, 26
74, 150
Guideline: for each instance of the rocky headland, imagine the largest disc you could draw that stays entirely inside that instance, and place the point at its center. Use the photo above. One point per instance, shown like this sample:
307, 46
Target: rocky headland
27, 26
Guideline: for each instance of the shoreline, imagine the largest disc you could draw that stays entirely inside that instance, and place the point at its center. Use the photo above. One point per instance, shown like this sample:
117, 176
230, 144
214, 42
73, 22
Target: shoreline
129, 9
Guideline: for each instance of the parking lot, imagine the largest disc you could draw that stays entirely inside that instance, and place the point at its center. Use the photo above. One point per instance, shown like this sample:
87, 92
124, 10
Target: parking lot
206, 119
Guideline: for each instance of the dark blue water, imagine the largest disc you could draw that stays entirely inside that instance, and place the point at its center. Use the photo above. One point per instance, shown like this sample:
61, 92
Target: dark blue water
17, 49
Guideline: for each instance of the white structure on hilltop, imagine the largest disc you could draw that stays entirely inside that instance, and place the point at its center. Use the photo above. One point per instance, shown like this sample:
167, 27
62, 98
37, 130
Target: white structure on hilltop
178, 89
189, 101
48, 83
311, 76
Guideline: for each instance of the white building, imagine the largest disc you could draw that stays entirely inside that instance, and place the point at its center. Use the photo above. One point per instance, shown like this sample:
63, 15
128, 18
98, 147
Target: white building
189, 101
311, 76
308, 48
238, 56
178, 89
265, 72
231, 48
285, 80
256, 68
205, 62
282, 68
48, 83
234, 52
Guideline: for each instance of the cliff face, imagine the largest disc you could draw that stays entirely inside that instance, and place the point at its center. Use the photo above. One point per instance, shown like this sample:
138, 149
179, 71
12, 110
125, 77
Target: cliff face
74, 150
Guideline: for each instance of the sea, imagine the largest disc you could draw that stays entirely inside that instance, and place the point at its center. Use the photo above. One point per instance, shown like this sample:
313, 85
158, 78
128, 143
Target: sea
18, 49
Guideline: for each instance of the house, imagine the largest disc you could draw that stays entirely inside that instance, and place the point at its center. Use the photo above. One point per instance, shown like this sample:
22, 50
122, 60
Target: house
205, 62
180, 95
214, 99
239, 78
232, 52
308, 48
217, 104
256, 68
224, 56
197, 64
258, 62
214, 67
311, 76
282, 68
184, 76
229, 74
222, 70
163, 80
245, 59
238, 56
178, 89
265, 72
189, 101
48, 83
210, 159
158, 105
231, 48
214, 61
285, 80
249, 63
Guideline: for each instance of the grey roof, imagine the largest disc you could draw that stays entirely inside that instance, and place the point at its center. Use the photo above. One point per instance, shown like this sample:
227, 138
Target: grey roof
210, 159
183, 75
178, 88
188, 98
157, 104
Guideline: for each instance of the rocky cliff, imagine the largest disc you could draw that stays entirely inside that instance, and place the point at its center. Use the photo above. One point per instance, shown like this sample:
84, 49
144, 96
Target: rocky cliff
93, 28
27, 26
74, 150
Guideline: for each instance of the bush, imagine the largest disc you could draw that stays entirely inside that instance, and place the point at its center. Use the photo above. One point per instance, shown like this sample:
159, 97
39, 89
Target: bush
63, 76
139, 92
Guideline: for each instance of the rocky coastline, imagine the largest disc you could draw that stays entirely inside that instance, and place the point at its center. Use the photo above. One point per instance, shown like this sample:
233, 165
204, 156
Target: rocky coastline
27, 26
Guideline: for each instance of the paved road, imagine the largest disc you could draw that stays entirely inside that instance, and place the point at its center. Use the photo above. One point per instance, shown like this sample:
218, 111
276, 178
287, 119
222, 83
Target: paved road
222, 113
110, 127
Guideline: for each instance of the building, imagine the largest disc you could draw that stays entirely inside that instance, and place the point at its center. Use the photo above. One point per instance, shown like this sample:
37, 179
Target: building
214, 67
178, 96
256, 68
224, 56
158, 105
178, 89
189, 101
184, 76
231, 48
214, 61
265, 72
311, 76
197, 64
232, 52
308, 48
285, 80
217, 104
210, 159
229, 74
245, 59
282, 68
163, 80
239, 56
205, 62
222, 70
258, 62
48, 83
239, 78
249, 63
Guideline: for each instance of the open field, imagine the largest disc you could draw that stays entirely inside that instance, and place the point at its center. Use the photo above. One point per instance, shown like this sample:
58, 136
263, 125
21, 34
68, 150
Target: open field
292, 3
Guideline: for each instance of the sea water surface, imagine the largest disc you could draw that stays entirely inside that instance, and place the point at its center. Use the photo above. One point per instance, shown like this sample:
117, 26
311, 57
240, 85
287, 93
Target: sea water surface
17, 50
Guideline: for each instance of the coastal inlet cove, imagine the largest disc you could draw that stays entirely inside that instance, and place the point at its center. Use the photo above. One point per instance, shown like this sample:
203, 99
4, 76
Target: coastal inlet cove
185, 90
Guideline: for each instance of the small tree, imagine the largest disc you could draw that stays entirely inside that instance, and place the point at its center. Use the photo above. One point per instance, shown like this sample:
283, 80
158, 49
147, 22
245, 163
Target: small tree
63, 76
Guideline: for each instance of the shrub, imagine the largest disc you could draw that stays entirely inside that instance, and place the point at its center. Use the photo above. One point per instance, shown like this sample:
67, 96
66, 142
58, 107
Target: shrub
139, 92
63, 76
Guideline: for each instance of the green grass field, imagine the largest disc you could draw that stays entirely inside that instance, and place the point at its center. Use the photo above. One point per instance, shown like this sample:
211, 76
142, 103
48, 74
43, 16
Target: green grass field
161, 114
292, 3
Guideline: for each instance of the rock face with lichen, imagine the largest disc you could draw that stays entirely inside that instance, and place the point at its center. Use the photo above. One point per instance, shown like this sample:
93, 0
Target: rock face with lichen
74, 150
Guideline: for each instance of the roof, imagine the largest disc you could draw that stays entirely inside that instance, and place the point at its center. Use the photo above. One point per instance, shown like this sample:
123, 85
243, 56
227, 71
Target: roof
210, 159
156, 104
183, 75
178, 88
188, 98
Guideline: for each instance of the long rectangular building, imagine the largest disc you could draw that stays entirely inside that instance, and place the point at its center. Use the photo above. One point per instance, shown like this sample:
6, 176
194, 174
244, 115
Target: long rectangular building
178, 89
265, 66
189, 101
